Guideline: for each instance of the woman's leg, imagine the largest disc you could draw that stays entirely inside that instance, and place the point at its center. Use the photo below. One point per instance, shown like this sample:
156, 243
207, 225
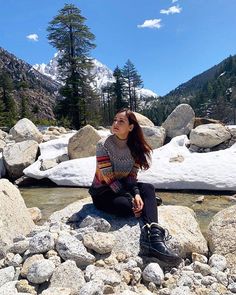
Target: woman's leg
112, 203
147, 192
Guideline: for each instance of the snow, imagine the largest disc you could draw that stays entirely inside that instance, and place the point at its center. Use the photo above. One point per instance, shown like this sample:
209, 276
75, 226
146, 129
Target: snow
173, 167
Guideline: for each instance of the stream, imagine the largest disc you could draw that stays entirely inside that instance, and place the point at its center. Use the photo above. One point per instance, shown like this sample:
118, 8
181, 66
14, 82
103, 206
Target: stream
51, 199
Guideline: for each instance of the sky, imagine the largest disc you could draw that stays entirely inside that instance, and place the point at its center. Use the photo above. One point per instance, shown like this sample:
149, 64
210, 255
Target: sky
168, 41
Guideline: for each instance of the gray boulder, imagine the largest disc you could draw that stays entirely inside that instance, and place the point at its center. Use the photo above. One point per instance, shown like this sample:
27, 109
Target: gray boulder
14, 216
24, 129
209, 135
19, 156
221, 236
155, 136
180, 121
83, 143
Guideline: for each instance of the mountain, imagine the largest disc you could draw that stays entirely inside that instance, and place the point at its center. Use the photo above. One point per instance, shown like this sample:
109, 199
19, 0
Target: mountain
102, 75
212, 94
41, 91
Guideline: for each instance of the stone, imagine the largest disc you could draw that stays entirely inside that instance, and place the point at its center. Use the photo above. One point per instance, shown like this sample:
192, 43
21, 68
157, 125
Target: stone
153, 273
14, 216
41, 242
209, 135
143, 120
92, 288
57, 291
218, 261
101, 243
83, 143
26, 152
8, 288
24, 286
6, 275
35, 214
28, 262
180, 121
68, 275
155, 136
69, 247
40, 271
185, 231
221, 236
24, 129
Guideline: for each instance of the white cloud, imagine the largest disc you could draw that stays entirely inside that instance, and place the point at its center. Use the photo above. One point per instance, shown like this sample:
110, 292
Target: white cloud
151, 23
173, 1
33, 37
171, 10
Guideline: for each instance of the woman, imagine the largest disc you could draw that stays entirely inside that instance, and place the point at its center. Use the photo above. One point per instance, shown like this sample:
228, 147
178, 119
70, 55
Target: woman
115, 188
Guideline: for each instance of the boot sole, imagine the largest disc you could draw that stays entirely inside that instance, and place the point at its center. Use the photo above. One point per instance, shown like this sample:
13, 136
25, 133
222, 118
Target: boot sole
167, 259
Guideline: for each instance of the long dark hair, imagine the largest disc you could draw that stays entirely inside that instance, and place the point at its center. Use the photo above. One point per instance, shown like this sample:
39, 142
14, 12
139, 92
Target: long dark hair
139, 148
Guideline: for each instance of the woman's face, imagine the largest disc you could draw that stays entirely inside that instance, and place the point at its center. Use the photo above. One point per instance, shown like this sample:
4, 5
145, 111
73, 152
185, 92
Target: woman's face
120, 126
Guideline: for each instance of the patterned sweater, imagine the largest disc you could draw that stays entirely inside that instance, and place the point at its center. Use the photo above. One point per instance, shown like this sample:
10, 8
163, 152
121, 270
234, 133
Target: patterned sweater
115, 166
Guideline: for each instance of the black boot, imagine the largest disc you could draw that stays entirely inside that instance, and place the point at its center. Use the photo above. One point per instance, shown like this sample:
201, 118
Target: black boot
155, 243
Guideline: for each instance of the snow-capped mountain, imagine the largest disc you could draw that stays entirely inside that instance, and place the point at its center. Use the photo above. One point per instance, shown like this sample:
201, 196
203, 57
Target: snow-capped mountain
102, 75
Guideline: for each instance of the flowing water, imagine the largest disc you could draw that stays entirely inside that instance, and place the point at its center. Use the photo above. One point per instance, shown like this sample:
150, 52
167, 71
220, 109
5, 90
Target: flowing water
51, 199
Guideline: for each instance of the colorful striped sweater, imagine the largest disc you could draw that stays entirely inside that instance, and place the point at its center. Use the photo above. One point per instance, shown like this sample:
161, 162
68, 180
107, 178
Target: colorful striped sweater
115, 166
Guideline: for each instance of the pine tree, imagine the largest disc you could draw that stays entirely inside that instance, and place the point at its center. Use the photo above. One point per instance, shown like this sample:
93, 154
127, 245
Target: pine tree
132, 82
118, 89
9, 105
69, 34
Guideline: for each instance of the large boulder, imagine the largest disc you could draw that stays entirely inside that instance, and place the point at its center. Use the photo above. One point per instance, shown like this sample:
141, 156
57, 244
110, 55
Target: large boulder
155, 136
83, 143
14, 216
180, 121
19, 156
209, 135
221, 236
183, 228
143, 121
24, 129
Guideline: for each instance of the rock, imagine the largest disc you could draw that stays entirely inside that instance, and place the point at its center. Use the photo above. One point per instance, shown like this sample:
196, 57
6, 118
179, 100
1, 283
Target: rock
99, 224
200, 121
155, 136
153, 273
221, 236
19, 156
2, 145
9, 289
143, 121
83, 143
180, 121
218, 261
92, 288
209, 135
57, 291
107, 276
101, 243
71, 248
14, 216
6, 275
41, 242
185, 230
24, 286
28, 263
24, 129
35, 213
40, 271
68, 275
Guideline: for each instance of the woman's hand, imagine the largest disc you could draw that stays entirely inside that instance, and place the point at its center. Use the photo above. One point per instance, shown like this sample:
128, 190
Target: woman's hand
137, 205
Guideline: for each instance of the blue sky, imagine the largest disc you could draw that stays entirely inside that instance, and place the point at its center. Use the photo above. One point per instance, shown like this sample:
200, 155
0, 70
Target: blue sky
169, 41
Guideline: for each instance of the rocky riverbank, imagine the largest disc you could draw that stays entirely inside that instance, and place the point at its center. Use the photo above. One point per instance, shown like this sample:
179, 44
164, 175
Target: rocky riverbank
81, 250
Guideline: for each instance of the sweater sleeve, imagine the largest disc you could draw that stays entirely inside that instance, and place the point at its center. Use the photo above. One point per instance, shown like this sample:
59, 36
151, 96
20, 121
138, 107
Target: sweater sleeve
132, 179
105, 166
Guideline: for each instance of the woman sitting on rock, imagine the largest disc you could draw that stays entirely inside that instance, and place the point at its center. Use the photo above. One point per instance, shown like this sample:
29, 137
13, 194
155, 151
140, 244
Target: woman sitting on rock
115, 188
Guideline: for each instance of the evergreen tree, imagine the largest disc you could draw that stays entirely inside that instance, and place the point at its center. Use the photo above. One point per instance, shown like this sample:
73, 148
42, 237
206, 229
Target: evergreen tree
9, 105
132, 82
118, 89
69, 34
25, 113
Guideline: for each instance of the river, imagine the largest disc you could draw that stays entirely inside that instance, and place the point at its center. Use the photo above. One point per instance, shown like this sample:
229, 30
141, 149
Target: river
51, 199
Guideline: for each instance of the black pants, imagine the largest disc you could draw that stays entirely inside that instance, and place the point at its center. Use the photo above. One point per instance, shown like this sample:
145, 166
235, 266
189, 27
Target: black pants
119, 205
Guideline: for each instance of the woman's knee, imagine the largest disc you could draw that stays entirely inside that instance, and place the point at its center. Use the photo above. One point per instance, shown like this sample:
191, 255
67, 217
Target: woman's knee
146, 187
